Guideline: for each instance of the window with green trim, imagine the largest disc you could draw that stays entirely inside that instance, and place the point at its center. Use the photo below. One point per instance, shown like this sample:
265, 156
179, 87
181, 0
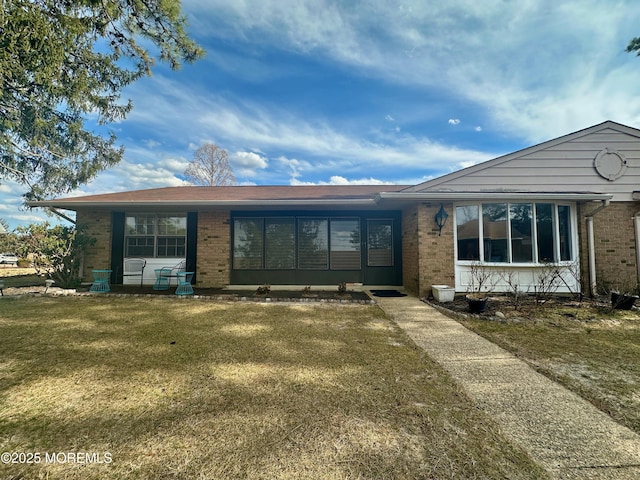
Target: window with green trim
155, 236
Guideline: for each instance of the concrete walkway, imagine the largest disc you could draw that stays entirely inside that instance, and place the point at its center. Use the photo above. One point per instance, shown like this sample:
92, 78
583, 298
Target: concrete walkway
562, 432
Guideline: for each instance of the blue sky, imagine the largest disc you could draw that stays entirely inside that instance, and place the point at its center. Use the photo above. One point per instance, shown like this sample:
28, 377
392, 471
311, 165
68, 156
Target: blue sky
376, 91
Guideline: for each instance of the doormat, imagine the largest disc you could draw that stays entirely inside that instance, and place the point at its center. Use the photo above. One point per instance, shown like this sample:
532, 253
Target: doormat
388, 293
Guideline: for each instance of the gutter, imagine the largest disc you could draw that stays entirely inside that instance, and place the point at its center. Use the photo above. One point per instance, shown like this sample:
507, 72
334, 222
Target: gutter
453, 196
207, 203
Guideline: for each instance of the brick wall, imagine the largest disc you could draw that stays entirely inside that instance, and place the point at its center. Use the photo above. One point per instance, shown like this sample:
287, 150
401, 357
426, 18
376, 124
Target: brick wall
615, 248
98, 256
429, 257
410, 256
214, 248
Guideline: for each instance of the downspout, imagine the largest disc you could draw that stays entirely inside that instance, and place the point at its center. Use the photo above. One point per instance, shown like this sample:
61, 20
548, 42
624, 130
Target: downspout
592, 257
591, 248
636, 224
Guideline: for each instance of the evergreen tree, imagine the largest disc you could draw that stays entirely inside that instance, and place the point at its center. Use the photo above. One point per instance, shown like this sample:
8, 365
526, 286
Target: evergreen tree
62, 61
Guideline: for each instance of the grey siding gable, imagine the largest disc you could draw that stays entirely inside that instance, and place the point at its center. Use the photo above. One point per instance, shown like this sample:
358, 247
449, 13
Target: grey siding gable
565, 164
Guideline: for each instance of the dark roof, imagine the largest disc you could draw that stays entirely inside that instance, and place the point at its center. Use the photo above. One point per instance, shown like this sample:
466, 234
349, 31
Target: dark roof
230, 195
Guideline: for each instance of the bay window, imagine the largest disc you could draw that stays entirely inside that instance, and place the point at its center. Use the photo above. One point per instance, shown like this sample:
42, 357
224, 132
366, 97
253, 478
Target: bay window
517, 232
468, 232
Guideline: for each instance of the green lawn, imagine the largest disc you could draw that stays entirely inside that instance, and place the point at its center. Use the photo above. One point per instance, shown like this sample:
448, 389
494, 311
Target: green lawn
182, 389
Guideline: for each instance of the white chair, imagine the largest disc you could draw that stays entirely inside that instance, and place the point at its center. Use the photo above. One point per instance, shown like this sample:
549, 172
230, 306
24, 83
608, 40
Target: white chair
134, 267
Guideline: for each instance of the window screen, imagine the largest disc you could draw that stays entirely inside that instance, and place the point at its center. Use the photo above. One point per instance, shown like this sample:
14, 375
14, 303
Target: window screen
380, 243
345, 244
313, 245
247, 243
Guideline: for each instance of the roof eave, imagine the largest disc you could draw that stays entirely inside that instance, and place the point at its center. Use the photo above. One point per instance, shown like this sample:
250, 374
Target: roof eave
73, 205
454, 196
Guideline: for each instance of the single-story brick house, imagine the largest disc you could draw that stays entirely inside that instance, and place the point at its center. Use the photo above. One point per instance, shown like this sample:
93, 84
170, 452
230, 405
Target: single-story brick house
573, 202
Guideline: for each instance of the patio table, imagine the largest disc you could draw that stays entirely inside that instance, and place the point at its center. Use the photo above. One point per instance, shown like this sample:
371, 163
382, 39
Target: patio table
100, 281
184, 283
162, 278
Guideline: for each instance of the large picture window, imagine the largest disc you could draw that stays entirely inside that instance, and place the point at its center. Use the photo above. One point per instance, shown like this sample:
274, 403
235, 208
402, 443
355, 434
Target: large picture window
152, 236
280, 243
514, 232
306, 243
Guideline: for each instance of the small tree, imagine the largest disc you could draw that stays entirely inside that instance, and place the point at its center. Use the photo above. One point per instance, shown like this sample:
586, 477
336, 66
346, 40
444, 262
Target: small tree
8, 242
210, 167
56, 252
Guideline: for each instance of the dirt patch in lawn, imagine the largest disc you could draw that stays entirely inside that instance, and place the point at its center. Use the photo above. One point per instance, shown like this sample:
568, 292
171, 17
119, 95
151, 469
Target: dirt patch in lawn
588, 346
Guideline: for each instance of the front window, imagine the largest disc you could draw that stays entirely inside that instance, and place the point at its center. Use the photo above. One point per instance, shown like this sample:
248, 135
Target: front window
345, 244
468, 231
152, 236
520, 218
280, 243
305, 243
494, 226
313, 244
514, 232
248, 243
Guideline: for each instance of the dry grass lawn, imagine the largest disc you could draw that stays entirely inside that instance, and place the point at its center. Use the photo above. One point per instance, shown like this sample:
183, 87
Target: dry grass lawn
180, 389
590, 348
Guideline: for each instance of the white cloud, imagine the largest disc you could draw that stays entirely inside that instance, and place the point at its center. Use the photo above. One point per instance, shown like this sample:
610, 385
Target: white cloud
4, 188
454, 121
464, 164
243, 123
247, 163
175, 165
340, 180
478, 128
537, 68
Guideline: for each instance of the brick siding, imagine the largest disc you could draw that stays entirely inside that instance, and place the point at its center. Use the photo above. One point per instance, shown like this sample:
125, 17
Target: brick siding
615, 247
428, 258
97, 256
214, 249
